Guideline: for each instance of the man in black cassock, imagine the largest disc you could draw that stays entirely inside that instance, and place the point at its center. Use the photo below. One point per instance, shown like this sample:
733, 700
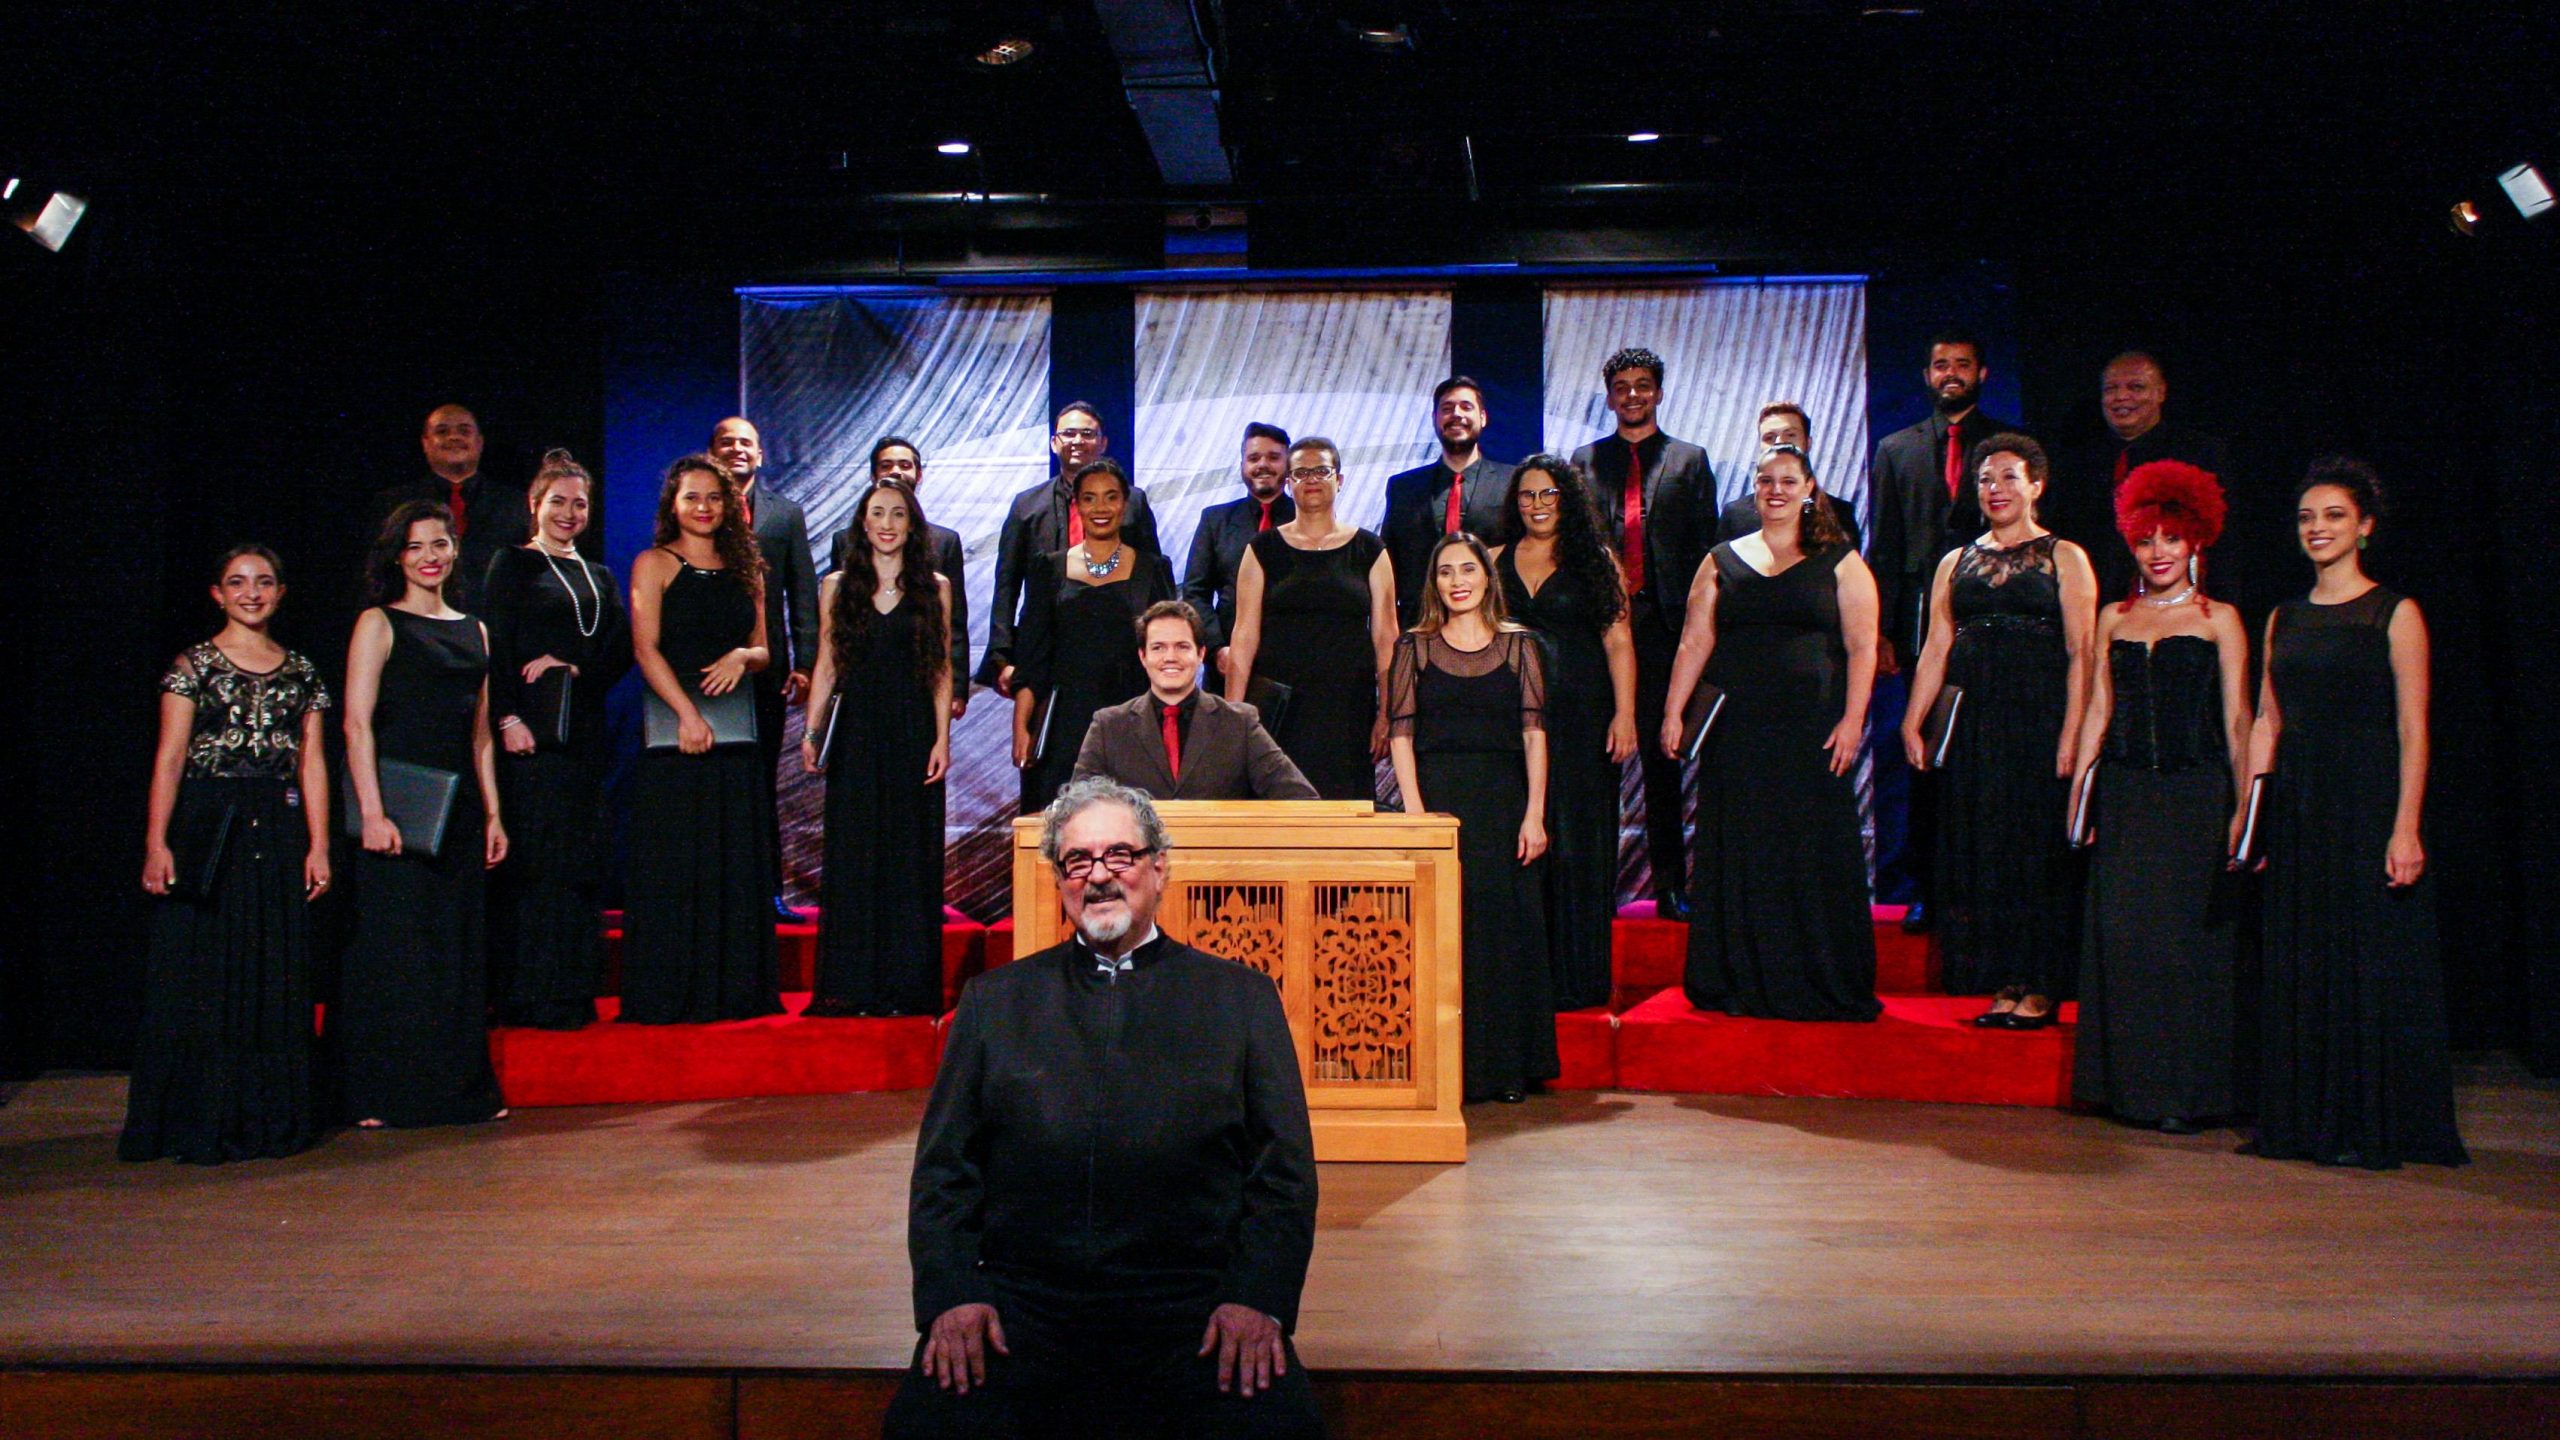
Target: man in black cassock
1115, 1188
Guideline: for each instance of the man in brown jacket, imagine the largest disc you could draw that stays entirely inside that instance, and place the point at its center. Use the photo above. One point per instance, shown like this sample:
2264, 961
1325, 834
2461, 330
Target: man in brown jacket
1179, 742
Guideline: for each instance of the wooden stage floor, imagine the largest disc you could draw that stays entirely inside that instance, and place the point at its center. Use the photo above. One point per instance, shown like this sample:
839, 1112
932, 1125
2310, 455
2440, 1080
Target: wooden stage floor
1637, 1234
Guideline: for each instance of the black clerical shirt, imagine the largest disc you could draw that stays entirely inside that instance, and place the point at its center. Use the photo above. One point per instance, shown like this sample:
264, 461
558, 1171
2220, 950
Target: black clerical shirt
1116, 1146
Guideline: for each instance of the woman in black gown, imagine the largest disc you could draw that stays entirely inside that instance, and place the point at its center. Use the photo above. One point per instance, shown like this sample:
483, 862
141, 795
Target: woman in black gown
2353, 1042
411, 1024
698, 914
1316, 611
552, 613
1466, 691
888, 672
1783, 620
2168, 728
222, 1066
2010, 616
1560, 580
1078, 640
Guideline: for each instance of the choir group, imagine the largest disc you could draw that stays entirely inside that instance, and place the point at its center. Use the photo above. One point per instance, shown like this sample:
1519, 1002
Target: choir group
2092, 789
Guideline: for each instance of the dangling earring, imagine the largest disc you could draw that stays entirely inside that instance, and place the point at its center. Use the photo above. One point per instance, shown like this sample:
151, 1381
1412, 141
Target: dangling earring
2191, 569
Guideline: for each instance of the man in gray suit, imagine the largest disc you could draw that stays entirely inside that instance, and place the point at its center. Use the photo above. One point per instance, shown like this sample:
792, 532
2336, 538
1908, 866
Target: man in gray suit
790, 599
1179, 742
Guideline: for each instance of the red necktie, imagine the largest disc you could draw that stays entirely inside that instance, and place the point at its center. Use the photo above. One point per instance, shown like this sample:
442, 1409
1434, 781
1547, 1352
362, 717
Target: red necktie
1955, 457
1075, 526
2124, 462
1457, 502
747, 507
1173, 742
462, 511
1631, 534
1266, 516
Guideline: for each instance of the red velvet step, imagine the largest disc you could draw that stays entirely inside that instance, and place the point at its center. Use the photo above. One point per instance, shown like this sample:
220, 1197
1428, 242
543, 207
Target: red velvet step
610, 1064
963, 949
1649, 953
1587, 1047
1922, 1048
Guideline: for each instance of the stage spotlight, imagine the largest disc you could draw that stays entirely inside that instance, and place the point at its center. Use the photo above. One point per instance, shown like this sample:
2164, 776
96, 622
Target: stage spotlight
2465, 218
1007, 50
2527, 192
46, 214
1644, 137
2526, 187
954, 147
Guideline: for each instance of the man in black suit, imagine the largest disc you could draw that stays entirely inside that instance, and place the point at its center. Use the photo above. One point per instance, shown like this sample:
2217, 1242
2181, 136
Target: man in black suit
896, 461
1462, 490
1043, 519
1657, 497
1924, 506
1179, 742
1782, 422
1217, 547
790, 599
2133, 394
488, 516
1114, 1197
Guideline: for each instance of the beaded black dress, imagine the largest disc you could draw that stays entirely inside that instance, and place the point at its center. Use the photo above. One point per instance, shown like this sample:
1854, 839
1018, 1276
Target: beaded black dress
880, 933
546, 932
1315, 640
1080, 641
2353, 1043
223, 1063
410, 1027
1779, 925
1582, 781
2158, 946
2004, 885
697, 904
1465, 712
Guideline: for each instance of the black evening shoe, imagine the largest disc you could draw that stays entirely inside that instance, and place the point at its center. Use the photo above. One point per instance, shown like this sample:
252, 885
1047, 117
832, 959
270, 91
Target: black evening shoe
2018, 1020
783, 912
1671, 905
1915, 918
1998, 1019
1510, 1097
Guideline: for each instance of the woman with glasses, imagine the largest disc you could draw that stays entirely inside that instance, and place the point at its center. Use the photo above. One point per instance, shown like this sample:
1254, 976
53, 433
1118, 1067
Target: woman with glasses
1323, 593
1559, 579
1783, 620
1076, 651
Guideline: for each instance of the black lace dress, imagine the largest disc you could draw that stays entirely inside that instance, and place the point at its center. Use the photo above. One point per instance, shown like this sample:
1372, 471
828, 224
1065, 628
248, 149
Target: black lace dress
2354, 1069
1465, 712
1582, 781
2158, 963
1779, 924
222, 1066
1315, 640
546, 933
410, 1028
2004, 886
1080, 641
880, 933
698, 877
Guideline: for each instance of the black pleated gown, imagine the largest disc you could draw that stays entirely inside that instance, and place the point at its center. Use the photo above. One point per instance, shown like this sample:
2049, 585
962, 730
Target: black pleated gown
1779, 924
880, 933
1582, 781
2353, 1042
698, 889
411, 1024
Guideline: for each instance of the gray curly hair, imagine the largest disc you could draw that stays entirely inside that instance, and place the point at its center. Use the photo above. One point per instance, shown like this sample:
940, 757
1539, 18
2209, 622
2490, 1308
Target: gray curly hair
1095, 790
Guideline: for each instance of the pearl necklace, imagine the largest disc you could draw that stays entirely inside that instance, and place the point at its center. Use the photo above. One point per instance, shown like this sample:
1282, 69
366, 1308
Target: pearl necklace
2181, 598
586, 628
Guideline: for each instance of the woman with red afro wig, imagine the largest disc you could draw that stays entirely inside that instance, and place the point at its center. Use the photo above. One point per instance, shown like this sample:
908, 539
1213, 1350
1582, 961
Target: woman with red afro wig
2167, 726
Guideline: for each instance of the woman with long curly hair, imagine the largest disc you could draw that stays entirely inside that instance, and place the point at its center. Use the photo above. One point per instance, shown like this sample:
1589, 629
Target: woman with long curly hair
1559, 579
883, 747
698, 908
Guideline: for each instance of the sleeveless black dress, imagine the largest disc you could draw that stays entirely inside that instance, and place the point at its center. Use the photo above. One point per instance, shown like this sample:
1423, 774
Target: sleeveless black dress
1779, 924
1582, 781
2004, 892
1465, 712
2158, 958
698, 882
410, 1027
546, 935
223, 1063
1315, 640
2353, 1038
1081, 642
880, 933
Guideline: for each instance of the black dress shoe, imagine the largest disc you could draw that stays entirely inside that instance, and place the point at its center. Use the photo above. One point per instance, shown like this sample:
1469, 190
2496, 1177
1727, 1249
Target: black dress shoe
1915, 918
2020, 1020
1510, 1097
1994, 1019
783, 912
1672, 907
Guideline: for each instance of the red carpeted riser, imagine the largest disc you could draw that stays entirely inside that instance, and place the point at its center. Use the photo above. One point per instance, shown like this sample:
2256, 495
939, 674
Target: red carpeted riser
963, 949
1920, 1049
1649, 954
612, 1064
1587, 1047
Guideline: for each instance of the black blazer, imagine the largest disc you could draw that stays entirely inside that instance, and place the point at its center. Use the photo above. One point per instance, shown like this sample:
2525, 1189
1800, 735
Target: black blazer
1679, 509
1217, 551
790, 581
1741, 517
1139, 1142
1035, 525
1417, 510
949, 556
1227, 755
494, 521
1916, 522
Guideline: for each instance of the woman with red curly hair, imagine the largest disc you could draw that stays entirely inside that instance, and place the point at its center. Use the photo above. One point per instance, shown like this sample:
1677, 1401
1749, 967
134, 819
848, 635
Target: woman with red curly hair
2167, 726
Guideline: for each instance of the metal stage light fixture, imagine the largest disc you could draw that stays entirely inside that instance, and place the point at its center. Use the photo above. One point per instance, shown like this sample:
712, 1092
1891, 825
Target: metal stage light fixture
2526, 190
46, 214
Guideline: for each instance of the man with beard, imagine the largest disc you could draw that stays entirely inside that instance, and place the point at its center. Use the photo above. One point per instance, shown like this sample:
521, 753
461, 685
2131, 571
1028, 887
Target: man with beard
895, 460
781, 529
487, 516
1217, 547
1043, 519
2133, 393
1462, 490
1656, 497
1114, 1196
1924, 506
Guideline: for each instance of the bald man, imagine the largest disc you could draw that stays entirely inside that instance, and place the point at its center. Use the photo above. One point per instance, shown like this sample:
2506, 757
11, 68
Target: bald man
488, 515
2133, 398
